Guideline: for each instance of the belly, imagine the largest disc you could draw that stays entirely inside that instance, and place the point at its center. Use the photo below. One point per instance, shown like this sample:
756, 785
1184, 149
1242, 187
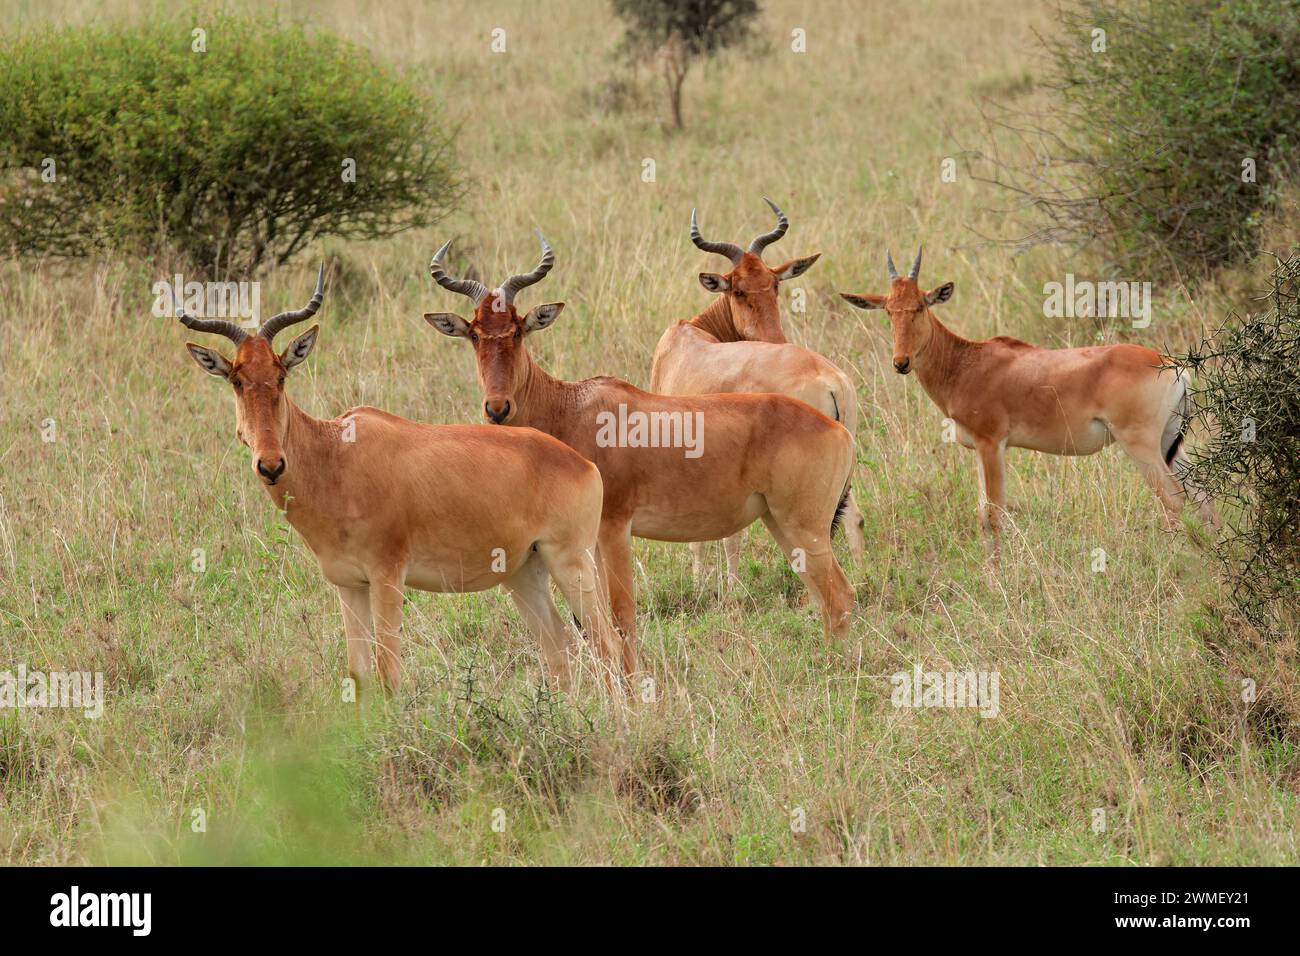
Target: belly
685, 521
442, 571
1086, 437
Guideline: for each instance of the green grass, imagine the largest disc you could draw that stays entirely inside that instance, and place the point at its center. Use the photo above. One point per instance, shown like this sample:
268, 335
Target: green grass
1119, 690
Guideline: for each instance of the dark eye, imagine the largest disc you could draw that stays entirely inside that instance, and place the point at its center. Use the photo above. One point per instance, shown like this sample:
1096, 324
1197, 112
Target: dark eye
237, 383
519, 333
473, 337
740, 294
280, 381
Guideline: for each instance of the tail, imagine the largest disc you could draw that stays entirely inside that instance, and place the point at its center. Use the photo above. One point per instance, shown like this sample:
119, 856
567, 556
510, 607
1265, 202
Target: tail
1173, 438
841, 507
1173, 443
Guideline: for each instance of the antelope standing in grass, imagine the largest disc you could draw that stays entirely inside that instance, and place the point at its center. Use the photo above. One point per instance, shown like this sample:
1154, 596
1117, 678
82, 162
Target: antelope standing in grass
737, 345
1003, 392
385, 503
693, 468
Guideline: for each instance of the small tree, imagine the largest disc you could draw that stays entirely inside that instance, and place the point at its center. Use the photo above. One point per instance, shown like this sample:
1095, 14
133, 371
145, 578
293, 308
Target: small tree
675, 33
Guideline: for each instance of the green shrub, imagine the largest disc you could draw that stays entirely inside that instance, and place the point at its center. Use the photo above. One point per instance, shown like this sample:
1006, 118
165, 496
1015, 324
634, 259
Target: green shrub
1247, 397
1146, 151
232, 157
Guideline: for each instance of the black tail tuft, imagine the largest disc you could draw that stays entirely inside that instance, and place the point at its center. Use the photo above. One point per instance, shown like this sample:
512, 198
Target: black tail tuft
1172, 450
841, 508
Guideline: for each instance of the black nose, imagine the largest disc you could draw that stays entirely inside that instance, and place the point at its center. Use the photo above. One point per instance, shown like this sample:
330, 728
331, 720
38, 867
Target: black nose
903, 366
270, 474
497, 415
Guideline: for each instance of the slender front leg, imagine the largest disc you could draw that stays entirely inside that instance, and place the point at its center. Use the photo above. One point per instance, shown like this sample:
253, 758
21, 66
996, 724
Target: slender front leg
992, 503
732, 548
697, 562
386, 609
355, 603
616, 559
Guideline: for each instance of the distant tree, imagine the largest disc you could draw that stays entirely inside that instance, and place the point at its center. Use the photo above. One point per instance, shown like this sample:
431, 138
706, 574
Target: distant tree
673, 34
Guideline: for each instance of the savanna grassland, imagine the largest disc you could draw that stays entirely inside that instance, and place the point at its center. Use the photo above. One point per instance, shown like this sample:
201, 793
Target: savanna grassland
223, 687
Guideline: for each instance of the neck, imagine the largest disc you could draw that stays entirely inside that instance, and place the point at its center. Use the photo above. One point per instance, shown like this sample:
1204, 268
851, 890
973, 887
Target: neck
546, 403
716, 320
306, 440
939, 363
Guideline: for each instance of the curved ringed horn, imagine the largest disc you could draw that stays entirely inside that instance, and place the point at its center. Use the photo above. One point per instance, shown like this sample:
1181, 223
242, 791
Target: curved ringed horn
476, 292
283, 320
889, 264
514, 283
916, 265
216, 326
766, 239
728, 249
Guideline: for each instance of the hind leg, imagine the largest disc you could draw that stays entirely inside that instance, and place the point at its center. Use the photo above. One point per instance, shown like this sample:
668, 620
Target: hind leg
853, 528
580, 581
1144, 450
1204, 503
529, 588
810, 555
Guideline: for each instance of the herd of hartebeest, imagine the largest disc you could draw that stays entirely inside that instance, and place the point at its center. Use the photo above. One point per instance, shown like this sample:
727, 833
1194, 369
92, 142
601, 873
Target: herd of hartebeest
386, 503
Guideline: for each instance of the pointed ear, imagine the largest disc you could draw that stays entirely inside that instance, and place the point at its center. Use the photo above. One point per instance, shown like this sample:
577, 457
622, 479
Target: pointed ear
540, 316
942, 294
714, 282
795, 267
300, 347
210, 360
448, 323
864, 301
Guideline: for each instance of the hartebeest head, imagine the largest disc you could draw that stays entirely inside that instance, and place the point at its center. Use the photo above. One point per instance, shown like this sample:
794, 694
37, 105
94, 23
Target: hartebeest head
908, 308
257, 375
751, 287
496, 331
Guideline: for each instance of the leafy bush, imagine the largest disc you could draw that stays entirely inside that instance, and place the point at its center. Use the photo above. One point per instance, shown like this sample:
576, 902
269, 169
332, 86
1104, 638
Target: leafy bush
1163, 147
676, 33
233, 157
1248, 398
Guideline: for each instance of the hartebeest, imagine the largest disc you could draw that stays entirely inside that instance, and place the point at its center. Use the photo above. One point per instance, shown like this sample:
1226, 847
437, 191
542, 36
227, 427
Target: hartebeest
385, 503
1003, 392
737, 345
693, 468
